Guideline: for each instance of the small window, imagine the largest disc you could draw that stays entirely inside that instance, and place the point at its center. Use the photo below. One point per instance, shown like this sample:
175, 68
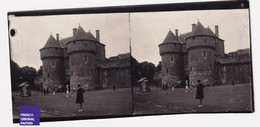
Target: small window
48, 75
204, 54
167, 70
53, 63
85, 58
74, 42
190, 68
171, 59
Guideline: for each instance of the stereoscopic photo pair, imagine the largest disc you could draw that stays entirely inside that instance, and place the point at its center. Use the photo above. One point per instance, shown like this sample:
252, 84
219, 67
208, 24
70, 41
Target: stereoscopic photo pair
123, 61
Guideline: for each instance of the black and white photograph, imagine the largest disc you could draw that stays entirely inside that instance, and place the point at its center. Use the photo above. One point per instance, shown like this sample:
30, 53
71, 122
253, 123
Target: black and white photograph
125, 61
71, 65
192, 61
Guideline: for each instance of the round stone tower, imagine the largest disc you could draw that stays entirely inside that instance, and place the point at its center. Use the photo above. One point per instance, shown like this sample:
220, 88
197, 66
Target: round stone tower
201, 55
172, 61
82, 60
52, 63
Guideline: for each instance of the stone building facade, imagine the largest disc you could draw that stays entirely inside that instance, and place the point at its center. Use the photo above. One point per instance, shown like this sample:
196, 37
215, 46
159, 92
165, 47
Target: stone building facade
80, 59
200, 55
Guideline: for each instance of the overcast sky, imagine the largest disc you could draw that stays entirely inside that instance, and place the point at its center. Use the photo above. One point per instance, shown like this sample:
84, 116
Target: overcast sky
148, 30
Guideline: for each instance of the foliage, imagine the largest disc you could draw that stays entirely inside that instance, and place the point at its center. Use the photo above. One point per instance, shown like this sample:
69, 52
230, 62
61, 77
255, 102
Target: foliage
21, 74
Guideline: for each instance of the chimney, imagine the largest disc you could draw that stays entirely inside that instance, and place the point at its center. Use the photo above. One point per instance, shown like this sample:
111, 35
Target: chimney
74, 31
193, 27
97, 35
57, 37
176, 33
216, 31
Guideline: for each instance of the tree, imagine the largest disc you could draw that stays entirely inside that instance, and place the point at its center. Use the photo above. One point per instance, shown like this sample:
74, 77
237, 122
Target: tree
159, 66
39, 72
20, 75
28, 75
15, 75
146, 69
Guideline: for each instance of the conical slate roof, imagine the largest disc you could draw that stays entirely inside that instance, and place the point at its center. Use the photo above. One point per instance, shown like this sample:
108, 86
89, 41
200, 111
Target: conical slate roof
82, 35
52, 43
199, 30
210, 32
171, 38
90, 36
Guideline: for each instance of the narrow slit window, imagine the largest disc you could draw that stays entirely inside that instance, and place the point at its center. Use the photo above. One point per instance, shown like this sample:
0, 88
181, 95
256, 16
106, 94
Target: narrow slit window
171, 59
204, 54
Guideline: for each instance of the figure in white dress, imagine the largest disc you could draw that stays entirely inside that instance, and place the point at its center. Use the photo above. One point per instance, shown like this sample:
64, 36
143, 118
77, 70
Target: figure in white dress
67, 91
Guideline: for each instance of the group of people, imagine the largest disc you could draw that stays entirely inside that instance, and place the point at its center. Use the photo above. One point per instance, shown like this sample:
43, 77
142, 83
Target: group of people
45, 91
79, 98
189, 87
165, 86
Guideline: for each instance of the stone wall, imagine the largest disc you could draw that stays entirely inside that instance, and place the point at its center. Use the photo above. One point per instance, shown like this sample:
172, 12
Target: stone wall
172, 68
82, 70
101, 54
235, 67
220, 48
201, 57
118, 77
52, 73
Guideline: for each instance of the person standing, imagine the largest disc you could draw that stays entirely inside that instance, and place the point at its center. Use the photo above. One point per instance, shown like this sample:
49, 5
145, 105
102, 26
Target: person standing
53, 91
67, 91
114, 87
199, 93
47, 90
80, 99
191, 86
186, 86
233, 83
163, 86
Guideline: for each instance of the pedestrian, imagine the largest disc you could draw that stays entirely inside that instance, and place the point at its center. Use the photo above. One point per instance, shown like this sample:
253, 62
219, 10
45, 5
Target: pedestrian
233, 83
44, 91
200, 94
163, 86
191, 86
166, 86
53, 91
67, 90
47, 91
114, 87
80, 99
186, 86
